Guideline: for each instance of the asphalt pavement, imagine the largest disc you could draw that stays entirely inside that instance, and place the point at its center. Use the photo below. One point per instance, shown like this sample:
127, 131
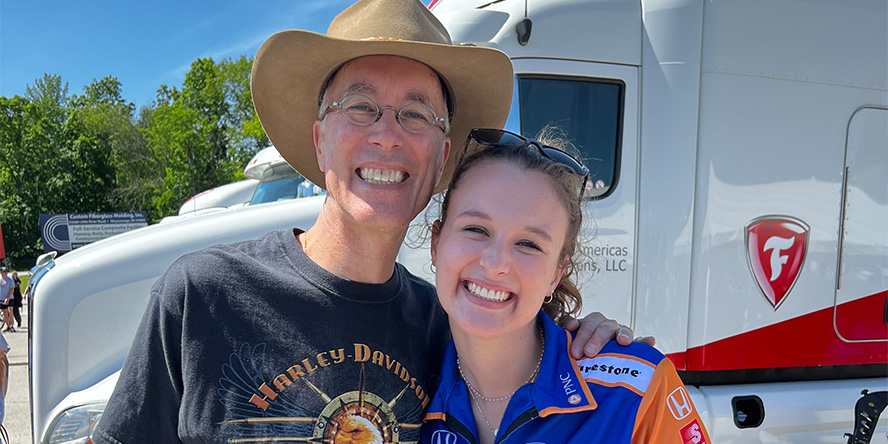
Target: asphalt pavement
17, 420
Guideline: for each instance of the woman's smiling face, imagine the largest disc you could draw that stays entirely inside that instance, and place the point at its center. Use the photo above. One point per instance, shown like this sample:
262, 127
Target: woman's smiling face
498, 253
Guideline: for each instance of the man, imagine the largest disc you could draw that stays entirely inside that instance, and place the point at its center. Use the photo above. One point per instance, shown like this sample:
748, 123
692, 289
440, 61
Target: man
328, 335
7, 296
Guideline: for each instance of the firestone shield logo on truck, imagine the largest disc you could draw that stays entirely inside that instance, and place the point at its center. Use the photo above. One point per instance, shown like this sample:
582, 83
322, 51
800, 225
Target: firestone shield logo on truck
776, 248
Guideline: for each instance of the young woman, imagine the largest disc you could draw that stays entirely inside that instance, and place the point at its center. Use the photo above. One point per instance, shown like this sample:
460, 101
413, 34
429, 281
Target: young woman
503, 251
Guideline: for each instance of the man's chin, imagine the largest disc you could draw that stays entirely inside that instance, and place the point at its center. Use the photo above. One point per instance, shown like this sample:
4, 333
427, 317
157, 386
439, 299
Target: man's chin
381, 215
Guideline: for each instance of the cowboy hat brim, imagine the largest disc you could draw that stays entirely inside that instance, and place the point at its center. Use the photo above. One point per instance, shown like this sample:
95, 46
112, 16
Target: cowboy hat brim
292, 66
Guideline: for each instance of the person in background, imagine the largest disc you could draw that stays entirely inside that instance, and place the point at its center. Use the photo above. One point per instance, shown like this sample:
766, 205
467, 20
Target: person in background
309, 336
4, 379
504, 275
17, 299
7, 286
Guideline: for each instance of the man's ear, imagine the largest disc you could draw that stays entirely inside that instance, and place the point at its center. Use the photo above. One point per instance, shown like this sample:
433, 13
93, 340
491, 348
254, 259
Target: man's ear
317, 135
436, 234
445, 153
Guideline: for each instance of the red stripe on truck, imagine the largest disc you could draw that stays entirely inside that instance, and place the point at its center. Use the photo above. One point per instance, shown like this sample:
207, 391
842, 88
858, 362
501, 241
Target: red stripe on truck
806, 341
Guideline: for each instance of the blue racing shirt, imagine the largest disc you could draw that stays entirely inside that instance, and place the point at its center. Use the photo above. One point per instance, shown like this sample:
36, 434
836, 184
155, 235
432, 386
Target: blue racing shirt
629, 395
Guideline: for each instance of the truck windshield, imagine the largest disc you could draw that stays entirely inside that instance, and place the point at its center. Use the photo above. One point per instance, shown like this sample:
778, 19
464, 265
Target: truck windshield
281, 182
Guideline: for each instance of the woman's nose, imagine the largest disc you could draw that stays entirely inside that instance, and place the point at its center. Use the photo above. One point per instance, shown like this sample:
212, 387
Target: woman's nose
494, 260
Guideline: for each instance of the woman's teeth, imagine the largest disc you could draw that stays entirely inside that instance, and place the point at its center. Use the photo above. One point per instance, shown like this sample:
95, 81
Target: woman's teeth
487, 294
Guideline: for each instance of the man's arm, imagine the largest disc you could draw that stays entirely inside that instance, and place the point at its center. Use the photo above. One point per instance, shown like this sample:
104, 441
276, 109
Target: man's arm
595, 330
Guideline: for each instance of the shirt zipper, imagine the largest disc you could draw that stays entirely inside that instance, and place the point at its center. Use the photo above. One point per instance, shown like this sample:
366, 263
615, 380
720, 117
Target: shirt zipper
528, 415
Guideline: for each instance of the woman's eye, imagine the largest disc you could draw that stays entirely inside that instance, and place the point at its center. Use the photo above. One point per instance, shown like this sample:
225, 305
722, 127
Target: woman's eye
530, 244
475, 229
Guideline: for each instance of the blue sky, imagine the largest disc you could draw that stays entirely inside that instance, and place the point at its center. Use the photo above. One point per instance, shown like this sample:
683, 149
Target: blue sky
143, 44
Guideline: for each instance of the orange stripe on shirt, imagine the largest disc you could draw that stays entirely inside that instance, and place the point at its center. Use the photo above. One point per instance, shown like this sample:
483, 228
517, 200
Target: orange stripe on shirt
555, 410
579, 373
433, 416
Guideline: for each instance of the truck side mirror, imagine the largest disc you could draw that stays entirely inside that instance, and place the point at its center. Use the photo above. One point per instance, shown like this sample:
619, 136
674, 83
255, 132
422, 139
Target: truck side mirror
523, 30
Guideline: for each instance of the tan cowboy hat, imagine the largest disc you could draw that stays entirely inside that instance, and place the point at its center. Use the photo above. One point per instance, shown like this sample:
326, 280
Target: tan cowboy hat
292, 66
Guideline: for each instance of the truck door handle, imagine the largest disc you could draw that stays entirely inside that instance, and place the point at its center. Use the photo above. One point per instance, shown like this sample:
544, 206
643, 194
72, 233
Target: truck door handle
842, 215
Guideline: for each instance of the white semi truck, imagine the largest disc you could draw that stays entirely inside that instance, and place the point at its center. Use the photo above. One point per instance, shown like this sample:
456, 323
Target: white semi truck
739, 199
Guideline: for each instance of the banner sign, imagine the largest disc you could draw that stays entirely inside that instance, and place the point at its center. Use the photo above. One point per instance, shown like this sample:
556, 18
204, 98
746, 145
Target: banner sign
65, 232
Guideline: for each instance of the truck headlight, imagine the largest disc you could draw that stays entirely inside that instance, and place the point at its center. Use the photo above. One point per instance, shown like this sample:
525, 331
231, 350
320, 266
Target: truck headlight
75, 425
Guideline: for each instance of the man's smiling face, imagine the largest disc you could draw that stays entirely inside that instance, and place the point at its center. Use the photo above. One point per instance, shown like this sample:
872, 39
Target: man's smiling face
381, 175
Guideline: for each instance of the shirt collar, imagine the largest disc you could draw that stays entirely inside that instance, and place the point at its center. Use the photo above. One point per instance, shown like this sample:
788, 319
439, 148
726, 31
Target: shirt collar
559, 388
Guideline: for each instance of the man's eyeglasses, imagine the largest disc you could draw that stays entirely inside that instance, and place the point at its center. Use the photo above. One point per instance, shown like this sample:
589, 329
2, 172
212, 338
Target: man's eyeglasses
359, 109
495, 137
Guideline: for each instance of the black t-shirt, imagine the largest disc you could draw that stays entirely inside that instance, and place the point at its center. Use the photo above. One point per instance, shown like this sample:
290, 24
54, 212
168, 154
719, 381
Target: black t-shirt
255, 341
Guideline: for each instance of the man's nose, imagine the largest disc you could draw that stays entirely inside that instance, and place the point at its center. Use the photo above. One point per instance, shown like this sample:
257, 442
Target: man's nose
386, 132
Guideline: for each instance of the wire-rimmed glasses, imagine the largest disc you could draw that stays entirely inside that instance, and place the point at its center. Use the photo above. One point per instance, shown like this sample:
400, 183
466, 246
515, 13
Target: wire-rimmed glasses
359, 109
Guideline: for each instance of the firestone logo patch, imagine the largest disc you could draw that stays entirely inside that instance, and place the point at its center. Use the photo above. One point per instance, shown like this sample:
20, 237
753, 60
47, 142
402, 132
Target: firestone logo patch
776, 247
615, 369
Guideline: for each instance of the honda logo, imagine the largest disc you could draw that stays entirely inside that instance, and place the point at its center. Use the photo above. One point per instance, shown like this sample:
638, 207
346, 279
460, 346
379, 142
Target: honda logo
679, 403
776, 248
444, 437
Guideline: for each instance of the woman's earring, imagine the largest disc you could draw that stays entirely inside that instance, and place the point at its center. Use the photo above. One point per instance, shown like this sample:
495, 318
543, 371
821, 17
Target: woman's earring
548, 299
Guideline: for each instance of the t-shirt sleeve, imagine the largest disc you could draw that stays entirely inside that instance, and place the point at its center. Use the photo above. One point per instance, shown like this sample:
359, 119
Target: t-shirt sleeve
666, 413
145, 404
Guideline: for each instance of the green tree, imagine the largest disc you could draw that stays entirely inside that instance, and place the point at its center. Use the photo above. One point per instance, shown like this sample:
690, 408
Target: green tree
59, 154
24, 131
100, 125
246, 135
203, 134
124, 177
50, 95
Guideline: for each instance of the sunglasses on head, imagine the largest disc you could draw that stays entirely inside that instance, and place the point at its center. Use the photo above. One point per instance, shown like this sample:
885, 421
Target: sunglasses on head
496, 137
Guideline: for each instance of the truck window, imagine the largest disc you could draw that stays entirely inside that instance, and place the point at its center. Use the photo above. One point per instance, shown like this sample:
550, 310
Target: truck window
588, 111
282, 182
